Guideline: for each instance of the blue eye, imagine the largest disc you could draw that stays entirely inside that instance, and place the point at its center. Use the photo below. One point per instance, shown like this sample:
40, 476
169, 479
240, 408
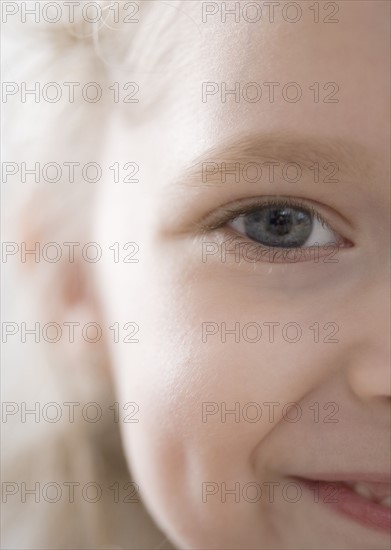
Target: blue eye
284, 227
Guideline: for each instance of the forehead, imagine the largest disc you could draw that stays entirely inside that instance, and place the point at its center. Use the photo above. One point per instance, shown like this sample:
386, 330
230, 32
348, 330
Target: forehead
337, 71
315, 70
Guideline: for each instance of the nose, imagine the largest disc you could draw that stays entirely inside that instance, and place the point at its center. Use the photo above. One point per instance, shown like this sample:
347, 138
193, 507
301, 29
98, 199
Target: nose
370, 377
369, 368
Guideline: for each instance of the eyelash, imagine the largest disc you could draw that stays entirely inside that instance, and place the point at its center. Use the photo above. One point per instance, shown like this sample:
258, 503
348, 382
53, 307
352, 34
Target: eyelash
230, 214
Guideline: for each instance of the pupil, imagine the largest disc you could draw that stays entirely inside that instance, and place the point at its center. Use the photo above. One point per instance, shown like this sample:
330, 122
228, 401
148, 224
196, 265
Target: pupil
280, 222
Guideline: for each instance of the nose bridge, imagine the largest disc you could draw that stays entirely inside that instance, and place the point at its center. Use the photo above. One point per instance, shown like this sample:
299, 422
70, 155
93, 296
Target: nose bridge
368, 364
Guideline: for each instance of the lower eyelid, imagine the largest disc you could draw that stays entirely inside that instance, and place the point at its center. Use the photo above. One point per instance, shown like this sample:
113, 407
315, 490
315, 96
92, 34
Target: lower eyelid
247, 250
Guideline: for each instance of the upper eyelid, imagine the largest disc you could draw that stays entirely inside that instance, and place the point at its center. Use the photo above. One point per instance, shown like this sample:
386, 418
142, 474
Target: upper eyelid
214, 221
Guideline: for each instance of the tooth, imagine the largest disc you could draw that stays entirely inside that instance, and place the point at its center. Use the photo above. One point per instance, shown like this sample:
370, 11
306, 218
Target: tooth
362, 490
386, 502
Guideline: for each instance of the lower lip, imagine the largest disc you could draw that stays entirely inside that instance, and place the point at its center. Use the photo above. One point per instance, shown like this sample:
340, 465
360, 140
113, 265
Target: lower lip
344, 500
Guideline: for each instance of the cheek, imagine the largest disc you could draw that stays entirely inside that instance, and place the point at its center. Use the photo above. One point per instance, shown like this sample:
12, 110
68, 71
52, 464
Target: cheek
183, 379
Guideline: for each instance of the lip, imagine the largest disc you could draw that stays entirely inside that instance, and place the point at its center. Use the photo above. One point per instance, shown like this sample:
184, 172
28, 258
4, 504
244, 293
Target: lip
340, 497
359, 476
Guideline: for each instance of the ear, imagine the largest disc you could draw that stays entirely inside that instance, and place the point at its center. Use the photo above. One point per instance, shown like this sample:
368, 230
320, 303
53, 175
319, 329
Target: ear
66, 301
74, 304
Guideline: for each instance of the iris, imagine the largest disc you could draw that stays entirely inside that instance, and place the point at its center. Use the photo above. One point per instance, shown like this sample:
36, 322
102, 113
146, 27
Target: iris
280, 227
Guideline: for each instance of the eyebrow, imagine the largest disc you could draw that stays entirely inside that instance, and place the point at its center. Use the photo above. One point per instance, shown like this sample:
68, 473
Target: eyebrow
353, 160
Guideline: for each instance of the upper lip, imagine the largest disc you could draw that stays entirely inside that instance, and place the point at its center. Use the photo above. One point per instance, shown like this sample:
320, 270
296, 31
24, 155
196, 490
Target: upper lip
376, 487
349, 477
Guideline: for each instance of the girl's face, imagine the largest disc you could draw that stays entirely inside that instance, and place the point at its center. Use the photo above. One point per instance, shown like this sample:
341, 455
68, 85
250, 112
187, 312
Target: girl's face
256, 367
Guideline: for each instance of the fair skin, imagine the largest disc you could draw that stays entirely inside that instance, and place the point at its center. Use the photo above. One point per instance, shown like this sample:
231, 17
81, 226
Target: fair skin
171, 372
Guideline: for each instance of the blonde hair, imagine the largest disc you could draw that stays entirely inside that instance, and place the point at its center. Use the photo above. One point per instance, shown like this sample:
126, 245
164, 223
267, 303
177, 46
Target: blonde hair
63, 452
